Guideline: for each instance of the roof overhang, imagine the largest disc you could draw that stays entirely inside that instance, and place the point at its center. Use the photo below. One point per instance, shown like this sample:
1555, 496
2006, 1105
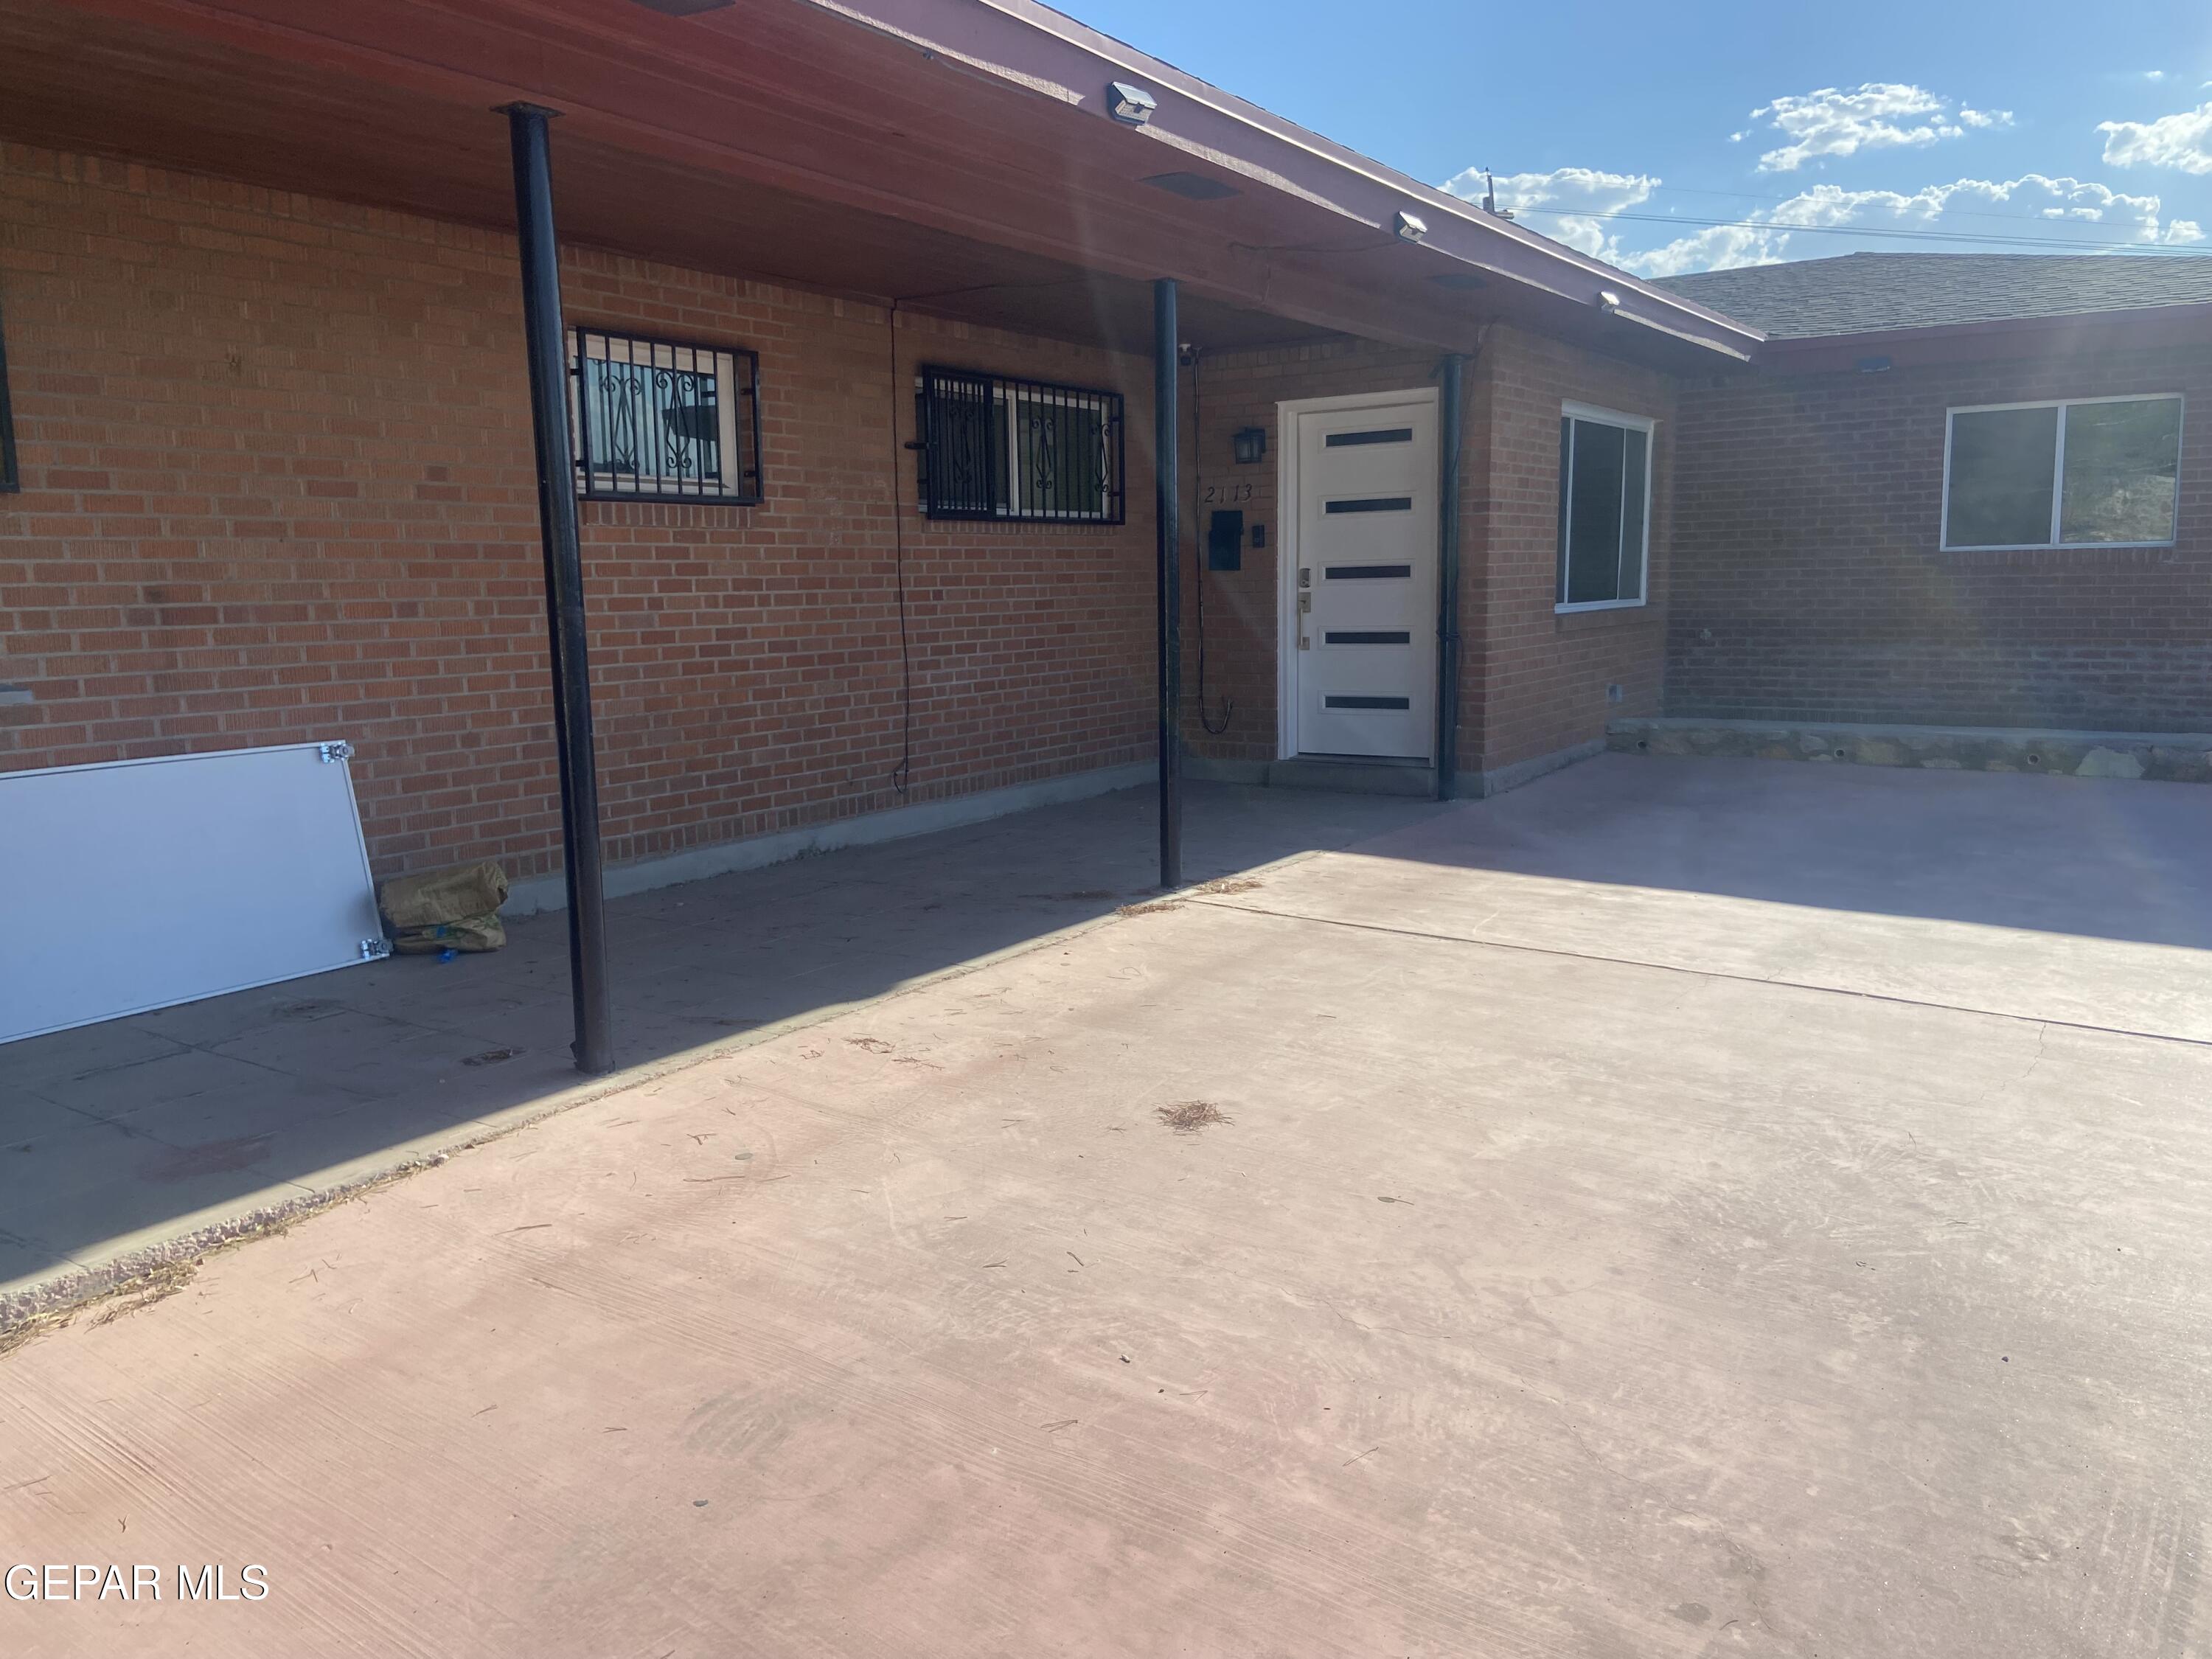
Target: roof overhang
955, 154
1020, 43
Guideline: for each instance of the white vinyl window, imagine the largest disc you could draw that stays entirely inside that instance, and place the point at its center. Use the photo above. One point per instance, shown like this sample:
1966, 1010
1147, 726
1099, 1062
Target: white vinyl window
2081, 472
1605, 508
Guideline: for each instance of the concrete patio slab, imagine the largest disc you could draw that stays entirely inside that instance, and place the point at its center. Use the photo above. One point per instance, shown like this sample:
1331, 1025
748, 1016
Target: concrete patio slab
2050, 898
255, 1094
1516, 1300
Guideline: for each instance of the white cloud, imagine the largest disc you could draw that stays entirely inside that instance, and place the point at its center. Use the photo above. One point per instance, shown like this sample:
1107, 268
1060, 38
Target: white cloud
1578, 191
1878, 115
1721, 247
2183, 141
2062, 208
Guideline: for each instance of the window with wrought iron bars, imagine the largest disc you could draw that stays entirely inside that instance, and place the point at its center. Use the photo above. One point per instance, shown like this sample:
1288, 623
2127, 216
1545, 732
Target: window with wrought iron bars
996, 448
664, 420
9, 480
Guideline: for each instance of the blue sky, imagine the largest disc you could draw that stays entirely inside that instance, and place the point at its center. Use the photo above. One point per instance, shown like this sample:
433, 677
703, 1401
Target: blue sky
2079, 126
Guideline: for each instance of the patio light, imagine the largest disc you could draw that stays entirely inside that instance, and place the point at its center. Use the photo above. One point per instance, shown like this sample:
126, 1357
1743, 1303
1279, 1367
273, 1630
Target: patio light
1133, 104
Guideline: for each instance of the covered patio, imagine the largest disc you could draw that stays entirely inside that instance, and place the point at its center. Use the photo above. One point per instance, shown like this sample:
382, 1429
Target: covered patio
816, 648
1615, 1218
143, 1141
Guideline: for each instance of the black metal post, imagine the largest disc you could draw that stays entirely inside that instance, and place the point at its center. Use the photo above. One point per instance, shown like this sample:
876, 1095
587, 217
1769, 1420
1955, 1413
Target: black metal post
1166, 472
1453, 370
564, 584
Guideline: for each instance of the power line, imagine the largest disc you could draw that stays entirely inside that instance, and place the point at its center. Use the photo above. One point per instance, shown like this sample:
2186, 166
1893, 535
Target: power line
1661, 188
1868, 230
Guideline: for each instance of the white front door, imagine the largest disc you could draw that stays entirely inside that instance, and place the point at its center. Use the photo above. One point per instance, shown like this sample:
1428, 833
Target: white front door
1359, 634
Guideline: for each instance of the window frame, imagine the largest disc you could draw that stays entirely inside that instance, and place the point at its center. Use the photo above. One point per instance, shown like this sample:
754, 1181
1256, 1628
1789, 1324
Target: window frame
1595, 416
1951, 413
742, 462
1007, 392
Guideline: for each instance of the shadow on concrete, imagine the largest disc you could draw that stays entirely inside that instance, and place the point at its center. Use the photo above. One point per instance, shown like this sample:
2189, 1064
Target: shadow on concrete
117, 1137
2098, 857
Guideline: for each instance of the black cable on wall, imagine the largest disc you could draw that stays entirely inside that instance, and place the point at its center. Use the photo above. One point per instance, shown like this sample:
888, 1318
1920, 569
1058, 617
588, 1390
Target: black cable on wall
1199, 539
900, 773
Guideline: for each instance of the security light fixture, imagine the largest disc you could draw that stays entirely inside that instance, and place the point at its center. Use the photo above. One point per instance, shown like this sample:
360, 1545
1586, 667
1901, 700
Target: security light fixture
1133, 104
1409, 227
1251, 445
1608, 302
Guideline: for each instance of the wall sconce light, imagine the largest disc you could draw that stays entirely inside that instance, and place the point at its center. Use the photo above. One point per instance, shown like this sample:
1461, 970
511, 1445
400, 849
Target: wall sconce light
1410, 228
1251, 445
1131, 105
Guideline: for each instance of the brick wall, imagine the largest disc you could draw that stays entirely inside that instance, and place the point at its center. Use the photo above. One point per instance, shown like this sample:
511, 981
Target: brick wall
1808, 584
1541, 679
1531, 681
278, 487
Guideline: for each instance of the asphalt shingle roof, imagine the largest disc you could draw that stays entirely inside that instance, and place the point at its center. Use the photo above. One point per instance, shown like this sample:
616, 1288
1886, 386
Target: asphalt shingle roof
1862, 292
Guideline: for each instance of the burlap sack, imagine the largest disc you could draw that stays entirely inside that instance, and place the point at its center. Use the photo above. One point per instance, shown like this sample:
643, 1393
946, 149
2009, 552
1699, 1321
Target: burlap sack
439, 896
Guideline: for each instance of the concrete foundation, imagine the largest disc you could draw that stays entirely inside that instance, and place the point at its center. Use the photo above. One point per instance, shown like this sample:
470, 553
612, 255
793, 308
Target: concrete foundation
2164, 756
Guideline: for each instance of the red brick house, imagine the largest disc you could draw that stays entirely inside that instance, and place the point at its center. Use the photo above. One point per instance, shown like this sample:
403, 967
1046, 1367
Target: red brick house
1954, 491
866, 311
272, 437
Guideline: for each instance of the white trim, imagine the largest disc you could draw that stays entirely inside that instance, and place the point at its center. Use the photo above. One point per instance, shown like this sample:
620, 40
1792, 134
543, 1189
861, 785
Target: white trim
726, 858
1286, 536
1597, 415
1644, 424
1944, 542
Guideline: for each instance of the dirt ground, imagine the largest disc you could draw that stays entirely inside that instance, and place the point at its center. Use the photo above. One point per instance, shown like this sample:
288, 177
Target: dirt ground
1679, 1208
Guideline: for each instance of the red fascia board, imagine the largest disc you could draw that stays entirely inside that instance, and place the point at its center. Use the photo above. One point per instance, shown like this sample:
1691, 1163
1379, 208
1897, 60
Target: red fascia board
2001, 337
1042, 51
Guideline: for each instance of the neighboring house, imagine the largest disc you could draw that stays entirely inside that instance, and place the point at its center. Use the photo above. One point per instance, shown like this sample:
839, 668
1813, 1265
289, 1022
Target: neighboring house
1952, 489
861, 365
